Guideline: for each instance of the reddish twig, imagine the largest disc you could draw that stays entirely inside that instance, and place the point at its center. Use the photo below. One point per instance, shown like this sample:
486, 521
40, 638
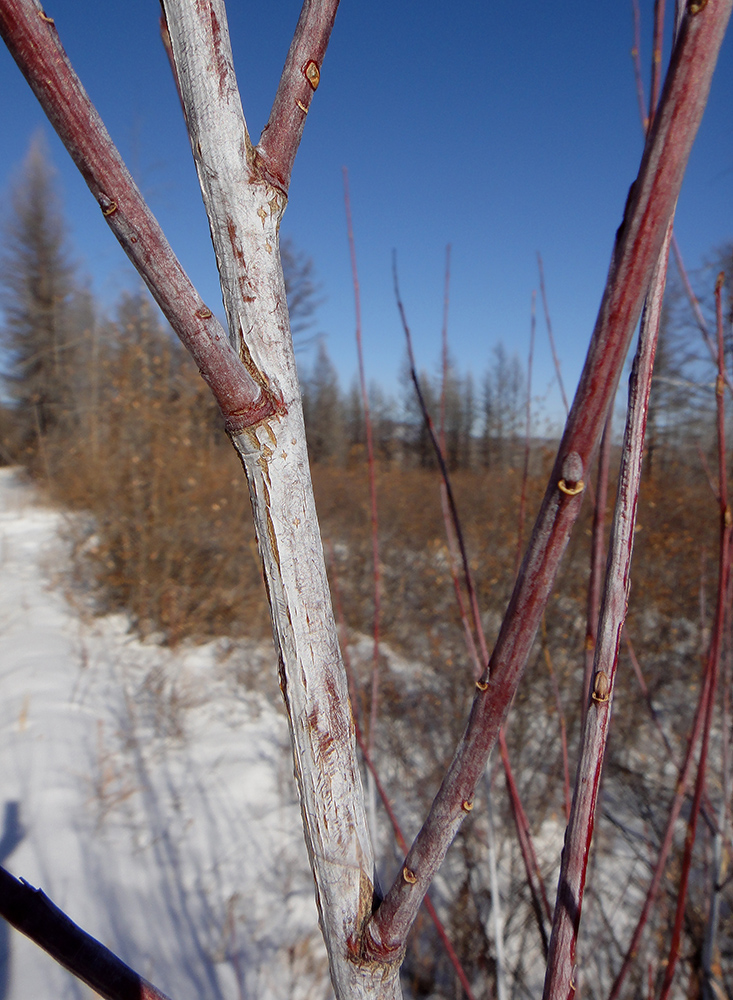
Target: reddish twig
444, 341
32, 912
597, 561
428, 421
527, 438
548, 321
559, 978
561, 718
638, 245
372, 474
704, 706
300, 78
716, 644
656, 60
33, 42
381, 790
636, 57
647, 695
454, 532
695, 306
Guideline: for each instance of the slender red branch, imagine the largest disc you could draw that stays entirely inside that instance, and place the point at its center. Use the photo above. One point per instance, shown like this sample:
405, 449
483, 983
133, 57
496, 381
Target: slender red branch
300, 78
527, 438
656, 60
695, 306
444, 341
548, 321
381, 790
638, 245
716, 645
561, 718
454, 531
33, 42
646, 694
373, 711
559, 978
538, 893
636, 57
597, 561
704, 706
32, 912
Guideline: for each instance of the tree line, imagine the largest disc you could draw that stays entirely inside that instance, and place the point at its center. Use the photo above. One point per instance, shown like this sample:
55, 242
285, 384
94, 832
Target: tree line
58, 347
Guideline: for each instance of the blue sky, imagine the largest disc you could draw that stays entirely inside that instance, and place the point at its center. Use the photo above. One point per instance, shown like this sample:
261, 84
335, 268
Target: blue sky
503, 129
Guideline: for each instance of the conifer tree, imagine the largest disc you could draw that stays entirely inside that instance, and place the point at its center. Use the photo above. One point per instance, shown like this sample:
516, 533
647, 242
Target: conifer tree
37, 290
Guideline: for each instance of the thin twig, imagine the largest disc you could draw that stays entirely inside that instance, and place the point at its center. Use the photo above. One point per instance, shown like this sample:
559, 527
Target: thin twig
716, 644
559, 978
476, 635
548, 321
656, 60
374, 702
636, 57
300, 78
527, 438
381, 790
597, 561
636, 252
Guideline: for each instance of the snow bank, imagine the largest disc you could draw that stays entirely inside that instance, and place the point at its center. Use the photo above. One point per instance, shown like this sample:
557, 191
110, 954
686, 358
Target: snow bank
146, 792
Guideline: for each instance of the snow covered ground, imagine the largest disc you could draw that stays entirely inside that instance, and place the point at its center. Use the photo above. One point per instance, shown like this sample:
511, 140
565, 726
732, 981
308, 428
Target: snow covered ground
148, 792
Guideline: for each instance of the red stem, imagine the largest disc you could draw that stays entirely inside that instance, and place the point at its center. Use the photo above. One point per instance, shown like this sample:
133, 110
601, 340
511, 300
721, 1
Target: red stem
548, 321
527, 438
381, 791
638, 245
656, 60
453, 532
300, 77
636, 56
597, 561
374, 703
695, 306
559, 978
444, 339
561, 717
716, 644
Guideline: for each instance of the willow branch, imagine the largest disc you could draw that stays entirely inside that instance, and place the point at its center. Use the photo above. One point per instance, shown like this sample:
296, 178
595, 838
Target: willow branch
34, 43
300, 78
559, 978
31, 912
637, 248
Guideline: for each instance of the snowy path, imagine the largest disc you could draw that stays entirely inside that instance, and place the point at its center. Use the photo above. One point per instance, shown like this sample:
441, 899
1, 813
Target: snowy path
146, 791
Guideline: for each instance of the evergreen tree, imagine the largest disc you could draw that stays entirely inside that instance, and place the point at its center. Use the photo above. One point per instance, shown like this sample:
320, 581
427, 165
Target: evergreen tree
323, 409
37, 290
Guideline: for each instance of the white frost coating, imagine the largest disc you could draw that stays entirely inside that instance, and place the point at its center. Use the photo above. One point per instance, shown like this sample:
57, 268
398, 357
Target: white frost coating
244, 213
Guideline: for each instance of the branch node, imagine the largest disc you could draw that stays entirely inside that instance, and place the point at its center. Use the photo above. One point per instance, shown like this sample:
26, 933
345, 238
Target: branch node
409, 876
467, 805
108, 207
204, 313
312, 73
601, 688
482, 685
571, 489
695, 6
44, 17
302, 107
